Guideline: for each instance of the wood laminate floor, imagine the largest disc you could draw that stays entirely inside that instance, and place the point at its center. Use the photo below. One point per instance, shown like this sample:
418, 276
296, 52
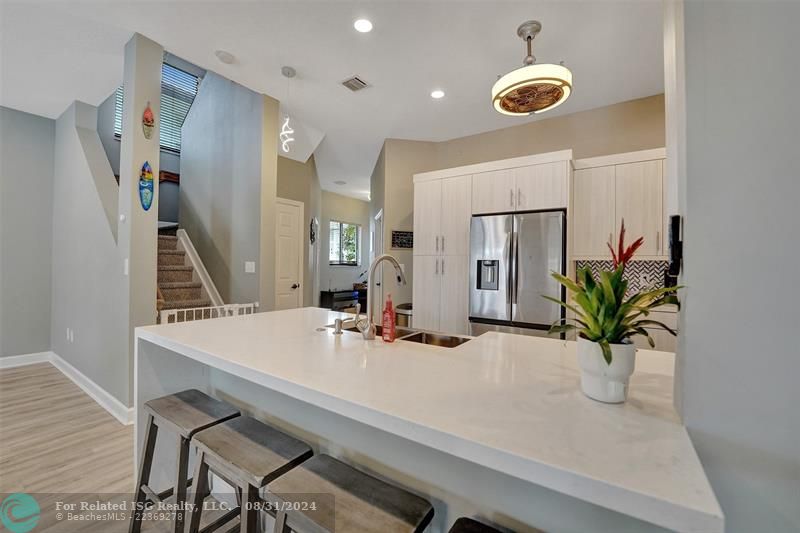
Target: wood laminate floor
57, 444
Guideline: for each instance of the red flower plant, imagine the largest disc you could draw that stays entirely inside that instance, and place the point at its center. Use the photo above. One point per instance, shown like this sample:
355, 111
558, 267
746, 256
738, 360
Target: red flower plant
623, 255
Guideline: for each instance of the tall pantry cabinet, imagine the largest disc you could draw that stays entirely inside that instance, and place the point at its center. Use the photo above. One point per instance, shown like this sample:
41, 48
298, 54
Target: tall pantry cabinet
442, 210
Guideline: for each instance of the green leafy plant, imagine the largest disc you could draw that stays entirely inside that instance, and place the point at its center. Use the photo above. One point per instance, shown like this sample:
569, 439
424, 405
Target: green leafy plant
603, 312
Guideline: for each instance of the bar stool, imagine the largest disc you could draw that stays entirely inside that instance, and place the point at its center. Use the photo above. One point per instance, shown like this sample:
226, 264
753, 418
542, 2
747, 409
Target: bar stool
345, 500
247, 454
468, 525
184, 413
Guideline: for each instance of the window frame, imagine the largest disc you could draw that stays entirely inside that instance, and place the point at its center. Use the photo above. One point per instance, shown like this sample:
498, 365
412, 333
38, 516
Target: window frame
119, 96
340, 262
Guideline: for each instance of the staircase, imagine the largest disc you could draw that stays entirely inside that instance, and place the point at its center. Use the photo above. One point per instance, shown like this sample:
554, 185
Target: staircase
178, 283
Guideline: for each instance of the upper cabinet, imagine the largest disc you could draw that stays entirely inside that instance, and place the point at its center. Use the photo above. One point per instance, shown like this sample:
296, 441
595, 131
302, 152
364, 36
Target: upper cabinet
427, 217
522, 188
456, 212
639, 197
441, 216
542, 187
493, 192
607, 190
593, 211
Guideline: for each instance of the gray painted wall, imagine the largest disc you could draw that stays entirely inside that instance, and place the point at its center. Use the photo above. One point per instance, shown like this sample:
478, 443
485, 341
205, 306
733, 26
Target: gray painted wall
26, 206
168, 161
220, 193
87, 267
740, 347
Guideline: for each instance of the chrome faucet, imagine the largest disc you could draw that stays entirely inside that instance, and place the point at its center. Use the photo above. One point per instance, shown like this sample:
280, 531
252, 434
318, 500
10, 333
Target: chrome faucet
366, 326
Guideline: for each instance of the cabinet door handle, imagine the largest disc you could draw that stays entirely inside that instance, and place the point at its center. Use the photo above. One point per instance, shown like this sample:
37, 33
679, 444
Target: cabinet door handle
511, 197
442, 267
658, 241
437, 267
519, 197
442, 244
437, 243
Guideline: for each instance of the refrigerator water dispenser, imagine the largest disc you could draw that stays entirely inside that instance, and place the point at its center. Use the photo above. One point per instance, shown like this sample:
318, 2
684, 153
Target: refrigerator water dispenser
488, 274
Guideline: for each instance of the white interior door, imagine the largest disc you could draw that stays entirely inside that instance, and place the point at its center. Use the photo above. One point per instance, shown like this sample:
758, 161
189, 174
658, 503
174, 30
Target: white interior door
289, 257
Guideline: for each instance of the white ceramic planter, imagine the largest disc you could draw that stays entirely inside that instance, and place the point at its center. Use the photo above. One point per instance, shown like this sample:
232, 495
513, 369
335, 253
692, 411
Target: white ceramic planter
601, 381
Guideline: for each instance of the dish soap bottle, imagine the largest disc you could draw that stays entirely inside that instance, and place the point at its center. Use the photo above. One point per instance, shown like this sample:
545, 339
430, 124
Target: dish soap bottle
389, 330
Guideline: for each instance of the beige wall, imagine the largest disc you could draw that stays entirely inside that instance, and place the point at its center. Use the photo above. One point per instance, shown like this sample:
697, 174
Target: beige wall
299, 181
625, 127
342, 209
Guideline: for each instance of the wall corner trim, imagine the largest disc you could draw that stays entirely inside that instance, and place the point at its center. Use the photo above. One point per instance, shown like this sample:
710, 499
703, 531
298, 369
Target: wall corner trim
117, 409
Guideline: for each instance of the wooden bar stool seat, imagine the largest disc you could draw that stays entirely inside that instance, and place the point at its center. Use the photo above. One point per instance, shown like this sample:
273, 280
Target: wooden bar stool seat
184, 413
247, 454
345, 500
468, 525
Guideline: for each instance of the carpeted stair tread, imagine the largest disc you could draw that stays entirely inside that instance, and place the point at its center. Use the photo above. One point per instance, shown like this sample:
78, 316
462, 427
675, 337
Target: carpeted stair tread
171, 257
167, 242
175, 267
186, 304
180, 284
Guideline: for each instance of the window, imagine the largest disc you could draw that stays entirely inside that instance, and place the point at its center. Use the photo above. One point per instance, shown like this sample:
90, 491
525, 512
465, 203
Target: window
178, 89
345, 243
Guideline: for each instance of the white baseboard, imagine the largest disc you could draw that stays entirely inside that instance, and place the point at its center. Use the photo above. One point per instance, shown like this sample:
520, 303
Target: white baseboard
26, 359
105, 400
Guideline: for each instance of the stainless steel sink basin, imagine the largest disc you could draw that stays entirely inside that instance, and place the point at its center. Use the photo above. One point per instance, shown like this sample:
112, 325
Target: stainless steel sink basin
434, 339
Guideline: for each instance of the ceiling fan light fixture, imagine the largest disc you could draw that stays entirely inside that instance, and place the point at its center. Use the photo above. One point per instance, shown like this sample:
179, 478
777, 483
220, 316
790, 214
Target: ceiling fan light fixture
532, 88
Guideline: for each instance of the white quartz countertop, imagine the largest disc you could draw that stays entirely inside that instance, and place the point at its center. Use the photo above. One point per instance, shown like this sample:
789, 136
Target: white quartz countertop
507, 402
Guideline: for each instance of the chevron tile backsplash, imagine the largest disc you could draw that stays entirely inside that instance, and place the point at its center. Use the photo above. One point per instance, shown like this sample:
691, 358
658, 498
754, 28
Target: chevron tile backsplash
640, 274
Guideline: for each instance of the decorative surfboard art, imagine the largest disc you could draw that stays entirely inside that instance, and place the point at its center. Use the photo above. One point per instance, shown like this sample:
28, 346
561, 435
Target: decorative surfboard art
146, 188
148, 122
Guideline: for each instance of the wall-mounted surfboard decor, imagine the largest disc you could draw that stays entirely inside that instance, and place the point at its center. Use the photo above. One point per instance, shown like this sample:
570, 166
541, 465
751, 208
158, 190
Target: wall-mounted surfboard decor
148, 122
146, 187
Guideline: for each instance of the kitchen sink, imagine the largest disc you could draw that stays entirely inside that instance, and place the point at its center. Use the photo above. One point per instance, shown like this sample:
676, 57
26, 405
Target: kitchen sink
412, 335
399, 332
434, 339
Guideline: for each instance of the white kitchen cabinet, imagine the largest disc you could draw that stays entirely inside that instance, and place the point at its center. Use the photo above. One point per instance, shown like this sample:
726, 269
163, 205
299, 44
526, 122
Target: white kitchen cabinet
454, 300
593, 209
493, 192
639, 196
456, 213
540, 187
427, 217
427, 292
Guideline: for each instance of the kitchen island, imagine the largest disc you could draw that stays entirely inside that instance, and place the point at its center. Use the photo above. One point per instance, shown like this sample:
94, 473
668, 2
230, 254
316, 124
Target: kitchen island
497, 426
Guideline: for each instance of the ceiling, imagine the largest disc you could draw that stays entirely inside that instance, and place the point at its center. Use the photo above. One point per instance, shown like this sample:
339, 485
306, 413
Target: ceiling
56, 52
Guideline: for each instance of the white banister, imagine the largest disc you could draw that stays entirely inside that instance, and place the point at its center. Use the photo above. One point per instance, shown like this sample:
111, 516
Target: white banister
208, 284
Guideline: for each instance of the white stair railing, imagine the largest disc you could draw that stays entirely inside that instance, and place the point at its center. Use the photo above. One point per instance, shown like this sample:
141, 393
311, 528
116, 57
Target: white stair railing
185, 244
172, 316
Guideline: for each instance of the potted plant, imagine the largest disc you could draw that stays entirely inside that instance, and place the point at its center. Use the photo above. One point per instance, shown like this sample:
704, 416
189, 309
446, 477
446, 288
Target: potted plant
606, 318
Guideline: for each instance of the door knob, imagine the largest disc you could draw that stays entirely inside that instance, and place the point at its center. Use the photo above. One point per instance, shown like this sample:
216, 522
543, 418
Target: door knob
295, 285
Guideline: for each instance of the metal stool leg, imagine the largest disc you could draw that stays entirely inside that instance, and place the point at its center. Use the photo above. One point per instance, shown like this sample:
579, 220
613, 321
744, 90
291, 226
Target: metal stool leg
145, 463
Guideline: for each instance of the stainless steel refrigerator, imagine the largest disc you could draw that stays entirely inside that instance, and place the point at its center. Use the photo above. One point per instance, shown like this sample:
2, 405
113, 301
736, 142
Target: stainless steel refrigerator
511, 258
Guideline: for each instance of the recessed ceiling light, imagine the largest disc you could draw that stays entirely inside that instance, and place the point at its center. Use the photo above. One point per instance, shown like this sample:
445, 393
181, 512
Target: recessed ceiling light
363, 25
225, 57
438, 93
340, 182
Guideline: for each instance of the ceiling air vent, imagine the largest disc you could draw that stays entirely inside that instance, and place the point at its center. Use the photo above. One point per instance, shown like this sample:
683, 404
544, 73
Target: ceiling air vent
355, 84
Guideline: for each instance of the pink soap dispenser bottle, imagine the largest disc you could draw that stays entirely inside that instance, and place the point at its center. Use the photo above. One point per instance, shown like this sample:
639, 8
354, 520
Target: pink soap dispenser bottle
389, 331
